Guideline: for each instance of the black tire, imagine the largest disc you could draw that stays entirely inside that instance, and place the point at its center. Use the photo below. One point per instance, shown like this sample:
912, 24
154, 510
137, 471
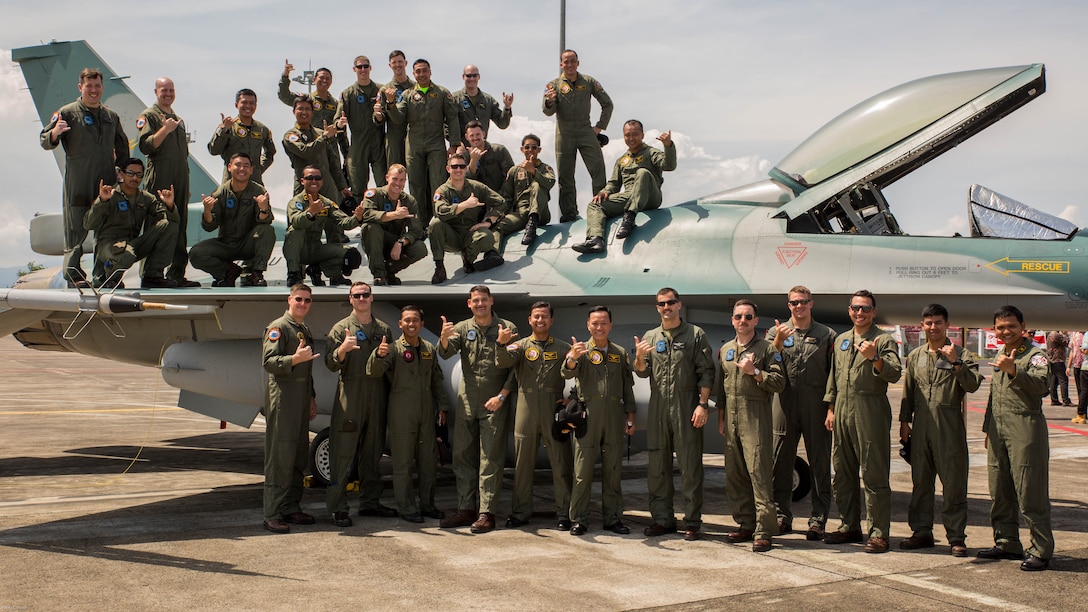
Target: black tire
802, 479
321, 459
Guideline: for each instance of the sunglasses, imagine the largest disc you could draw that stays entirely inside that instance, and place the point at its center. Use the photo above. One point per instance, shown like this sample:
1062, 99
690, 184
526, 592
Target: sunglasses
361, 296
799, 302
131, 173
530, 147
472, 75
458, 166
311, 178
667, 303
746, 317
362, 66
302, 300
856, 308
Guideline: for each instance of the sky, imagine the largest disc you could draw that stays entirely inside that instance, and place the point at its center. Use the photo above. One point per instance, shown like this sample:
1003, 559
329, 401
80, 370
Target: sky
739, 84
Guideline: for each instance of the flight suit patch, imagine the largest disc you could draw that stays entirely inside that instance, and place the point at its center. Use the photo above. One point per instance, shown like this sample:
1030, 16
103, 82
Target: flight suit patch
660, 346
1038, 361
532, 354
360, 336
274, 334
241, 131
580, 87
679, 346
471, 335
466, 103
778, 357
564, 88
54, 118
317, 105
140, 123
370, 193
788, 343
613, 358
122, 206
845, 345
256, 135
424, 355
409, 356
388, 207
551, 356
292, 138
596, 357
361, 99
299, 206
730, 354
230, 203
88, 120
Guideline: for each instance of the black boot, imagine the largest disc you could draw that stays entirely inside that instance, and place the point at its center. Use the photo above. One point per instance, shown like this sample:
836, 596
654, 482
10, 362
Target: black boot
530, 230
627, 225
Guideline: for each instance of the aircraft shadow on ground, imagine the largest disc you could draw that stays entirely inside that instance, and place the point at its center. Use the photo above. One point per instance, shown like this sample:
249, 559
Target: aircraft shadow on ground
231, 451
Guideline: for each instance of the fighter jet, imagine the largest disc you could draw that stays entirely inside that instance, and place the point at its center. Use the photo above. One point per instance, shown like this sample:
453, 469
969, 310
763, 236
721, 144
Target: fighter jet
819, 219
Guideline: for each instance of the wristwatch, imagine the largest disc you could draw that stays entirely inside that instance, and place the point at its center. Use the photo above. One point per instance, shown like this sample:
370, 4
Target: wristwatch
502, 398
757, 372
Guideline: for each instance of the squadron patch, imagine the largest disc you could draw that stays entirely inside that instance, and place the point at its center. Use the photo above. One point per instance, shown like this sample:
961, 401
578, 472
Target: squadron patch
513, 346
230, 203
730, 354
437, 197
471, 335
122, 206
596, 357
273, 334
360, 336
661, 346
409, 356
292, 138
625, 160
521, 174
299, 206
140, 123
564, 88
388, 207
1038, 361
466, 103
788, 343
416, 97
240, 131
845, 344
88, 120
369, 193
54, 118
778, 357
532, 354
361, 99
317, 105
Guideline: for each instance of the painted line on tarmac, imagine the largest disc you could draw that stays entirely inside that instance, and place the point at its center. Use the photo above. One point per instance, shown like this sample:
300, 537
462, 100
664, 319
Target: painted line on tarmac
956, 592
87, 411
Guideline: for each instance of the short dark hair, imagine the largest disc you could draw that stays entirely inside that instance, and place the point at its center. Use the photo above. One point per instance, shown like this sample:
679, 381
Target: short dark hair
664, 290
865, 293
635, 122
244, 92
300, 99
359, 283
747, 302
600, 308
543, 304
395, 53
472, 124
532, 137
412, 307
566, 51
1008, 310
935, 310
295, 288
240, 154
313, 167
323, 69
125, 163
480, 289
420, 61
457, 155
90, 73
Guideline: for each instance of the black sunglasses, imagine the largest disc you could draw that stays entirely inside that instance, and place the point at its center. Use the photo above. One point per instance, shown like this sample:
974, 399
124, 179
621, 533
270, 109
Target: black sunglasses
361, 296
746, 317
667, 303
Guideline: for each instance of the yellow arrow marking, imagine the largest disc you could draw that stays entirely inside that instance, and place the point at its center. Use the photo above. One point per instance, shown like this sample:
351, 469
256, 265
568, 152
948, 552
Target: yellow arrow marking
1038, 266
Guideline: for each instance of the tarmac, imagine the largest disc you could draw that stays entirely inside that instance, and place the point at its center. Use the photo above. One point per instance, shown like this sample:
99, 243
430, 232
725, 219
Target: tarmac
111, 497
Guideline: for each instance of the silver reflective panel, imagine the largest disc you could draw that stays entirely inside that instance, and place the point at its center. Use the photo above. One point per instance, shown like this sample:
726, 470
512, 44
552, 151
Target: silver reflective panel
997, 216
885, 119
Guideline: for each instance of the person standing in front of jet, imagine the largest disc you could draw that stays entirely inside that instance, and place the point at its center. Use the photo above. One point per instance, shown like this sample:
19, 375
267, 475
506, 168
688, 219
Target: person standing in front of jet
367, 149
480, 429
677, 359
1018, 447
807, 349
536, 364
606, 386
240, 210
94, 142
568, 98
357, 431
395, 134
290, 405
860, 418
244, 134
411, 366
130, 224
166, 144
476, 105
751, 373
939, 375
635, 186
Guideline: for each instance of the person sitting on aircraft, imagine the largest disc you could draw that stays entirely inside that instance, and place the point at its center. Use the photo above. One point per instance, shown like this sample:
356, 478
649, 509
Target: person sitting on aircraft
527, 190
487, 162
239, 209
93, 140
465, 213
308, 213
130, 224
638, 173
392, 234
243, 134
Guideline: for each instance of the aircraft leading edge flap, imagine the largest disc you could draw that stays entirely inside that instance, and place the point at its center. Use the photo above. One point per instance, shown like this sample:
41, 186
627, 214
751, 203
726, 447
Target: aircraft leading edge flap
843, 154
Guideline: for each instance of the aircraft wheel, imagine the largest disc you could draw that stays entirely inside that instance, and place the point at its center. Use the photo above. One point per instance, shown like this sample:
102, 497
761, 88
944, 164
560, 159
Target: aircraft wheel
320, 458
802, 479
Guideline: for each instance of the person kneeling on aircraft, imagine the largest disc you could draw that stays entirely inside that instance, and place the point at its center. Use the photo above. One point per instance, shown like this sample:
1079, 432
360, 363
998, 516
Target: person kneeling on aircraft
392, 231
131, 224
638, 174
465, 212
307, 215
239, 209
527, 190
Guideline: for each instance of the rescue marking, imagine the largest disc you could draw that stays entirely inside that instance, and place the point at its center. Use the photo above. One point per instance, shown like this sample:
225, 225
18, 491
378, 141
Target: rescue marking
1006, 266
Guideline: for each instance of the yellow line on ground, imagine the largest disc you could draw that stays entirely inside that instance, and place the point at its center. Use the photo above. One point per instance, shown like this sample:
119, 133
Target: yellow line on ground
29, 412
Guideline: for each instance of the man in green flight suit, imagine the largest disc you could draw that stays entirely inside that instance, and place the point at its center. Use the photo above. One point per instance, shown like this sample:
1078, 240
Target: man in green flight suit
487, 162
677, 359
568, 98
244, 134
428, 111
476, 105
322, 100
239, 209
411, 366
94, 143
938, 377
606, 387
536, 363
306, 145
480, 428
392, 235
290, 404
308, 215
527, 190
466, 212
366, 151
860, 418
395, 134
130, 224
751, 373
163, 140
1017, 446
807, 348
357, 430
635, 186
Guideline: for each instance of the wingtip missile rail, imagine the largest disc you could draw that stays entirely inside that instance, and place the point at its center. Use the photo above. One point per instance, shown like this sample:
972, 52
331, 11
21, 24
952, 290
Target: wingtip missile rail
75, 301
